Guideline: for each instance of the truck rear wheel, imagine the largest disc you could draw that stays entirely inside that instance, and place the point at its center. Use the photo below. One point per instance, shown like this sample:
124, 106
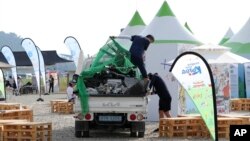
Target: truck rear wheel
81, 128
141, 134
137, 127
85, 133
78, 134
133, 134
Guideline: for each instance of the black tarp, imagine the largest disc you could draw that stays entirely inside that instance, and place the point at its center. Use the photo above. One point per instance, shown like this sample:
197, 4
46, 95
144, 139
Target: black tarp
22, 59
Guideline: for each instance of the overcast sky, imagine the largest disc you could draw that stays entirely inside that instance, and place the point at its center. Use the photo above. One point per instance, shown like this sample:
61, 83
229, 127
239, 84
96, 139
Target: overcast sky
91, 22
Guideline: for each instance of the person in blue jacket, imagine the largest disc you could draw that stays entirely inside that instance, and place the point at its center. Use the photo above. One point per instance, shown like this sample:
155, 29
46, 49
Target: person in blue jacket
137, 50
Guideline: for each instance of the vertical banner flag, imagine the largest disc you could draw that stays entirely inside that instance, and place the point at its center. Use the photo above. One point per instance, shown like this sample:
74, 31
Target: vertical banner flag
222, 86
80, 63
31, 50
234, 83
74, 48
247, 79
8, 54
2, 87
241, 77
42, 68
194, 74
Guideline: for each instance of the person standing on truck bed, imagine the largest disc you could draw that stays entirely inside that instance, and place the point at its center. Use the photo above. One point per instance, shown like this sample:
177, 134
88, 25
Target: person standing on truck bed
160, 88
139, 45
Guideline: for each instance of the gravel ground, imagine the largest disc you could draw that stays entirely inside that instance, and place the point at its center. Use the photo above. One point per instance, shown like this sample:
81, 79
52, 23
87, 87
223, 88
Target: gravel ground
63, 125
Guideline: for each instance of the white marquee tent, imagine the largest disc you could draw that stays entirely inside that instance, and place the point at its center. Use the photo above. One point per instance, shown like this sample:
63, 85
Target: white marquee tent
135, 26
168, 33
227, 36
216, 54
188, 28
240, 42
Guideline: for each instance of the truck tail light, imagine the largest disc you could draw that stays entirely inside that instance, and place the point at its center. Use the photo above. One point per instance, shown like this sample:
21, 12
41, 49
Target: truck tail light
88, 116
140, 117
132, 117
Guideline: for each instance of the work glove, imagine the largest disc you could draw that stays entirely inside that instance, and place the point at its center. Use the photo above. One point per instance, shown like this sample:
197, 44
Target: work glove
148, 92
112, 37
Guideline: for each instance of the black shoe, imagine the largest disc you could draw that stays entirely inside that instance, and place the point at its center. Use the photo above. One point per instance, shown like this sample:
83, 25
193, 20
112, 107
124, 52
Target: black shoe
156, 130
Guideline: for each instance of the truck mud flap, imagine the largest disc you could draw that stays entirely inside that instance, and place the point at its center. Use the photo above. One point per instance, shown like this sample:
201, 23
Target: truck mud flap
81, 125
137, 127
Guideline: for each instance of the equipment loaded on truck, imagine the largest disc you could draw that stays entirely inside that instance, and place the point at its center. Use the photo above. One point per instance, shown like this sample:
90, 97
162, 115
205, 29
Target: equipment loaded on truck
112, 94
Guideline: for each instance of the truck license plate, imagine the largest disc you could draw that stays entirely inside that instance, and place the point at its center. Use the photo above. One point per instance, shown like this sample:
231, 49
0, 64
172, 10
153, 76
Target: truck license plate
110, 118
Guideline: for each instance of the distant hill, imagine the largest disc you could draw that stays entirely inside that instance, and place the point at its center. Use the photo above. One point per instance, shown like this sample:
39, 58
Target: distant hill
12, 40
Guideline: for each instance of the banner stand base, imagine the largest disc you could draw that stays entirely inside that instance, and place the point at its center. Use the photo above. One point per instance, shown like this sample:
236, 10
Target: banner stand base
40, 99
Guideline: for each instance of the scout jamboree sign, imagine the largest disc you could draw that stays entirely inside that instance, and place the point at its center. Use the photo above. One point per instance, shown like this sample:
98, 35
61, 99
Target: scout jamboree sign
194, 75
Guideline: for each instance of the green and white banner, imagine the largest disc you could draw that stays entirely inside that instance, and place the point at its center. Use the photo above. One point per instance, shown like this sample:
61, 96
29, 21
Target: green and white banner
74, 47
8, 54
31, 50
234, 82
42, 67
194, 74
2, 87
247, 79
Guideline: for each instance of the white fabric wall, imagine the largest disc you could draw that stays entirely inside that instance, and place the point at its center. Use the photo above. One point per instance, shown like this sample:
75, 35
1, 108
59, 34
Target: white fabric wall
155, 56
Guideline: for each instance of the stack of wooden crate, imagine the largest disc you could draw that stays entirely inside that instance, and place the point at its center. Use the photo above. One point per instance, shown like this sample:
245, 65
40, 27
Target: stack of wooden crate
17, 114
33, 131
245, 118
9, 106
180, 127
62, 106
3, 122
15, 111
26, 129
224, 126
195, 127
240, 104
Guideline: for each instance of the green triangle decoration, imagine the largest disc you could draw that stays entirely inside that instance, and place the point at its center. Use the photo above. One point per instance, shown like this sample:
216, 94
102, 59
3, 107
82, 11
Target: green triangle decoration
136, 20
165, 10
188, 28
223, 41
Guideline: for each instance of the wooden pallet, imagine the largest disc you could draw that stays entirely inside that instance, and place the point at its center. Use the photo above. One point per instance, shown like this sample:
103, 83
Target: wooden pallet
223, 126
54, 105
180, 127
195, 126
245, 119
189, 115
65, 107
33, 131
26, 114
240, 104
9, 106
2, 122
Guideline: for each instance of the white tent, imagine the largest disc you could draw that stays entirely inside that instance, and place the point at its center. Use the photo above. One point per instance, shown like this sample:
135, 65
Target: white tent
240, 42
168, 32
135, 26
227, 36
188, 28
215, 54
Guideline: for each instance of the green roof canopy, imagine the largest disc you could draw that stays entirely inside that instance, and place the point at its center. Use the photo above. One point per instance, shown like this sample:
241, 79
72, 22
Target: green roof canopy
136, 20
165, 10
